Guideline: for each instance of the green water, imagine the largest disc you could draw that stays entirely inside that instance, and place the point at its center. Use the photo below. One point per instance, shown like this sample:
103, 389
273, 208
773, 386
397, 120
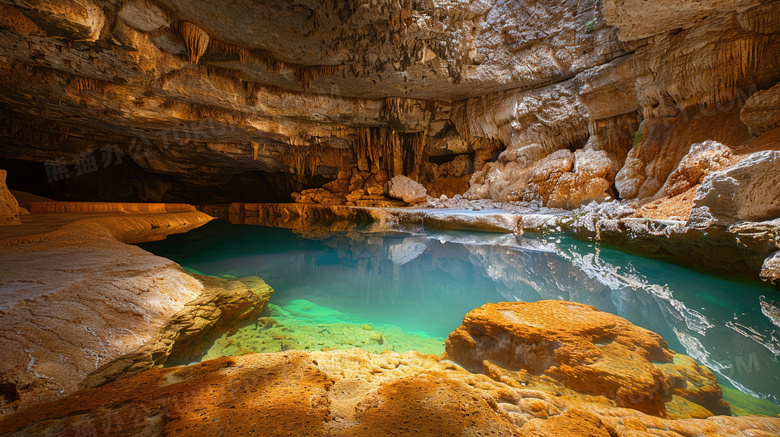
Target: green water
409, 291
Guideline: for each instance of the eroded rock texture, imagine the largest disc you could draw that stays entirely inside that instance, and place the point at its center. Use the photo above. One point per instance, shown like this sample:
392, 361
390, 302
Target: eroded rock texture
355, 393
585, 350
253, 101
9, 207
80, 308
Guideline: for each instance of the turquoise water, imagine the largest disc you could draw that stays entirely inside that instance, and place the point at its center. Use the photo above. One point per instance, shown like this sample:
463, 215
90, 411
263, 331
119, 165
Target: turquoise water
416, 288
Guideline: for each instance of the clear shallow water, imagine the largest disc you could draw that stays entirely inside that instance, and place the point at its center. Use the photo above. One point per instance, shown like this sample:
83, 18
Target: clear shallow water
344, 290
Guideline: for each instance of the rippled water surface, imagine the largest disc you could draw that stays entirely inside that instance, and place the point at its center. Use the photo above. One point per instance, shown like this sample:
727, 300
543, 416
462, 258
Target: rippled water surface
409, 291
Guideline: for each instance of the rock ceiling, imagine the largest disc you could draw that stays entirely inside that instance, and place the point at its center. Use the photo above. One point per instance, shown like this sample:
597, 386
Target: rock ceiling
303, 90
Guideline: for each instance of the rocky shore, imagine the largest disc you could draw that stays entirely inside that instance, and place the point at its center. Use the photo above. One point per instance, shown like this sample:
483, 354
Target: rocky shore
556, 383
80, 307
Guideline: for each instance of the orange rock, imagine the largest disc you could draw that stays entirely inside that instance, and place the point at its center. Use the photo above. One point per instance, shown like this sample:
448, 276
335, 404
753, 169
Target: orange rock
343, 393
586, 350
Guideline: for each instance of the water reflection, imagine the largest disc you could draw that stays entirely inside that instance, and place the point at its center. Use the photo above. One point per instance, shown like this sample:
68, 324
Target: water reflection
428, 281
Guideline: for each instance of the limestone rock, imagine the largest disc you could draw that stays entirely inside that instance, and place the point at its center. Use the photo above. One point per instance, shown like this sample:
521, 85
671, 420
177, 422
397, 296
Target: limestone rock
402, 187
749, 190
142, 15
588, 181
80, 308
345, 393
77, 20
770, 271
700, 161
761, 112
9, 208
636, 20
584, 349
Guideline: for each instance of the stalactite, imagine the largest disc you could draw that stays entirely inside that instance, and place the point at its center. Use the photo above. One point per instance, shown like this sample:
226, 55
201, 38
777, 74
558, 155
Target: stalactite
274, 66
78, 83
242, 53
195, 40
231, 75
390, 151
304, 160
82, 84
308, 74
206, 111
255, 150
168, 103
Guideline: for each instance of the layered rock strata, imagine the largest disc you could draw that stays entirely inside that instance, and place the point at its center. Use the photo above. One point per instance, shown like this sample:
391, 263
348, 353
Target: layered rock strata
256, 101
80, 307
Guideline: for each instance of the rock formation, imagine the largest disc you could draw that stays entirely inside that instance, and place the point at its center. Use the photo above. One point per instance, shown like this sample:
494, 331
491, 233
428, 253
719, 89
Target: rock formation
9, 208
408, 190
254, 102
81, 308
356, 393
584, 350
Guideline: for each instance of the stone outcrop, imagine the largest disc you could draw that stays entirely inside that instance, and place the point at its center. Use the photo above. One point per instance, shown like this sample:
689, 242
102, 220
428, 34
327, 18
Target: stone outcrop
81, 308
702, 158
9, 208
761, 112
346, 393
408, 190
770, 270
168, 100
561, 180
747, 191
582, 348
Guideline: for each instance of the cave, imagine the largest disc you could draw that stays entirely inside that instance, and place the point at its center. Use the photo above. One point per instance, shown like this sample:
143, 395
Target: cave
389, 217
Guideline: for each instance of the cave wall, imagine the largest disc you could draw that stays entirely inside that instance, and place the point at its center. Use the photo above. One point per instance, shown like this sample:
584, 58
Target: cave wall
556, 102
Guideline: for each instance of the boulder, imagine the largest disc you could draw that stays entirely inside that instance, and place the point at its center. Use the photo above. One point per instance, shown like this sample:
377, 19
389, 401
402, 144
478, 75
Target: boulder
589, 180
406, 189
698, 163
747, 191
583, 349
9, 208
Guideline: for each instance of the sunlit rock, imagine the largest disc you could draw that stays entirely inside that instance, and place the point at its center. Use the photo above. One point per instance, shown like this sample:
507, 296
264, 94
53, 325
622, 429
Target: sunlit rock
9, 208
406, 189
749, 190
586, 350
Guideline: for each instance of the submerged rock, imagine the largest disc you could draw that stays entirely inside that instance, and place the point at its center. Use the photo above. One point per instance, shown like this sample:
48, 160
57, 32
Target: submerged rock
586, 350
